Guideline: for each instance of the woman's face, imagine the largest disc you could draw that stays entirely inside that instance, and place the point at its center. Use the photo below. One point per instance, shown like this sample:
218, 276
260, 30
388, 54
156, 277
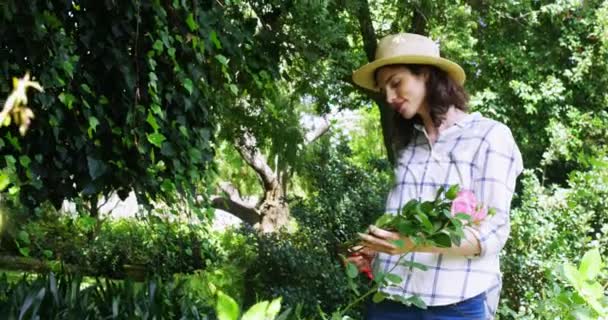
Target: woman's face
404, 91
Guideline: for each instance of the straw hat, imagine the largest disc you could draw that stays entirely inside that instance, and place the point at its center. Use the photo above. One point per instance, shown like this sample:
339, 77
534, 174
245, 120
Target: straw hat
406, 48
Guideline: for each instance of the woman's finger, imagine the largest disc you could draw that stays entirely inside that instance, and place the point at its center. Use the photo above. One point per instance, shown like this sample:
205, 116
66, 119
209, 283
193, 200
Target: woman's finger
384, 234
377, 244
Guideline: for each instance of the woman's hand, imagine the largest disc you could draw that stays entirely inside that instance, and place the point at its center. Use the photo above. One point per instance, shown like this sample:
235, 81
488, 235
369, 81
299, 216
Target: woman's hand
362, 257
381, 240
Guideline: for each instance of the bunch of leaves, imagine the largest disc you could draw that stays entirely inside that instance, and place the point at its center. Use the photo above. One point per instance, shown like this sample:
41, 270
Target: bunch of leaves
128, 101
228, 309
64, 296
552, 226
160, 246
428, 223
425, 223
299, 268
577, 293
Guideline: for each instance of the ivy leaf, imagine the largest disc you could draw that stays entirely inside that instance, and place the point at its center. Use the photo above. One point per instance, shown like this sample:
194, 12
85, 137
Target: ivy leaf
67, 99
152, 121
215, 40
156, 139
188, 85
96, 167
192, 25
221, 59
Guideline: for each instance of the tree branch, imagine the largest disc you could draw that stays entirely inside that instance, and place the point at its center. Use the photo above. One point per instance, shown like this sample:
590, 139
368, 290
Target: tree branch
367, 29
318, 132
369, 45
247, 148
235, 205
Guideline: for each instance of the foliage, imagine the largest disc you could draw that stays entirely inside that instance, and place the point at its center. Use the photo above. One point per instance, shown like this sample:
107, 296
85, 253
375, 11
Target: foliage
227, 309
129, 91
429, 222
552, 226
303, 267
160, 246
70, 297
584, 281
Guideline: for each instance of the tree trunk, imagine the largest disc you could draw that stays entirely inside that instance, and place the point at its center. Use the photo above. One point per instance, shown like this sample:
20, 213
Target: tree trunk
274, 210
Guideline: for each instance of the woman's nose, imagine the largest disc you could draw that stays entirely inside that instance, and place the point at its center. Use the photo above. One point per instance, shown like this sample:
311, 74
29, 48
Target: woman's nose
391, 96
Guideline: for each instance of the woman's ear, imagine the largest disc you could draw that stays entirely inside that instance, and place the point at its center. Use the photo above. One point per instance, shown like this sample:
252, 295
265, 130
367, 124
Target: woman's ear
426, 74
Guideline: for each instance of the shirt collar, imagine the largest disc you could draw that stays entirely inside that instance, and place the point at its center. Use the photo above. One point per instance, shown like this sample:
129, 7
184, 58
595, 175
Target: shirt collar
463, 122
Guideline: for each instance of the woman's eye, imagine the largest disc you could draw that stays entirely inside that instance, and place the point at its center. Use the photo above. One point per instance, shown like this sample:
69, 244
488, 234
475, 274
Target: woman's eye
395, 83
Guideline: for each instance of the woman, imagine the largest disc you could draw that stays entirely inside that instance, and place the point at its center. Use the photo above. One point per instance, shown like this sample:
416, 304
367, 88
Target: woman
437, 143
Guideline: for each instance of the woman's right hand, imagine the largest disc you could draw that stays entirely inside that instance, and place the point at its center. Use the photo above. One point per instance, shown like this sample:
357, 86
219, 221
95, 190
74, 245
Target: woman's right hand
362, 258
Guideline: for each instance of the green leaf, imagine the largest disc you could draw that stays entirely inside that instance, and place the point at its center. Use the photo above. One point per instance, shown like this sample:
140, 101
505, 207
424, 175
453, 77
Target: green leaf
156, 139
24, 251
284, 315
96, 167
192, 25
384, 220
452, 192
221, 59
415, 300
25, 161
67, 99
13, 190
85, 87
591, 264
226, 308
152, 121
393, 278
442, 240
351, 270
158, 46
463, 216
413, 265
274, 308
215, 40
93, 123
379, 296
4, 181
188, 85
234, 89
256, 312
426, 207
23, 237
421, 216
572, 275
439, 193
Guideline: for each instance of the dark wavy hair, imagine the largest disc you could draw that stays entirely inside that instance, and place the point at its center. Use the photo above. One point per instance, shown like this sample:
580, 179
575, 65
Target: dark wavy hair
441, 92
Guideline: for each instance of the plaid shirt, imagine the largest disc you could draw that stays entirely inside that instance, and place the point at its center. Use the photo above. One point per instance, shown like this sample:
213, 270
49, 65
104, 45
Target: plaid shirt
479, 154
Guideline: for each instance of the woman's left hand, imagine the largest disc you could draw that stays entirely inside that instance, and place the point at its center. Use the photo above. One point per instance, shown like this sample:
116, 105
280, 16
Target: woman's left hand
385, 241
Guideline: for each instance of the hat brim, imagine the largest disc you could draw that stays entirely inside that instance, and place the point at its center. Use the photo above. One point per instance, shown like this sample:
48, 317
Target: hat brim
364, 76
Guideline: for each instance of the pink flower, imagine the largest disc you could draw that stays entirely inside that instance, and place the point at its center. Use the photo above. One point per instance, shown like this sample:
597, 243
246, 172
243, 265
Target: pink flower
466, 203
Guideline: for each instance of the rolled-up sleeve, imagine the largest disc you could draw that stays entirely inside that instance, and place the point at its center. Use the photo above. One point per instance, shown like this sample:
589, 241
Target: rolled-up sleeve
499, 163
